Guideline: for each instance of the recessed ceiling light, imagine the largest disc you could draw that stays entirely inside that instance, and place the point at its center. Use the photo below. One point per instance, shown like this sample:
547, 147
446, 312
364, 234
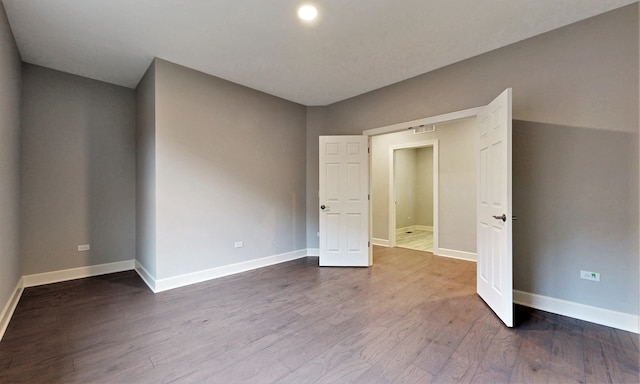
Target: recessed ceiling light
307, 12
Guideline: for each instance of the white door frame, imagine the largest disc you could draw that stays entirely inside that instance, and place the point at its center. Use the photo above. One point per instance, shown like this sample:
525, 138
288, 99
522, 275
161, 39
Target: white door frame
439, 119
392, 190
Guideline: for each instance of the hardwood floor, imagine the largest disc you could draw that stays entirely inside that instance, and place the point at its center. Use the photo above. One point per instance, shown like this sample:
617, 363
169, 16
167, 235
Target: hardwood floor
418, 240
411, 318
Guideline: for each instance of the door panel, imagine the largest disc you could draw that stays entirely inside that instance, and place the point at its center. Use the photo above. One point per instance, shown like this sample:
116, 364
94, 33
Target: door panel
344, 203
494, 269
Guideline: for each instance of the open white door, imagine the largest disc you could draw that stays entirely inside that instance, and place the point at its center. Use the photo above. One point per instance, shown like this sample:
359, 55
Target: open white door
494, 269
344, 201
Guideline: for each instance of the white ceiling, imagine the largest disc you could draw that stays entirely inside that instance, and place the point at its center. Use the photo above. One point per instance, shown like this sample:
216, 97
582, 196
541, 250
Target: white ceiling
355, 47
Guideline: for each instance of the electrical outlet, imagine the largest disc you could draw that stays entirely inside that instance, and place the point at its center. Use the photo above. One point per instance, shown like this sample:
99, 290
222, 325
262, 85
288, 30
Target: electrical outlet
238, 244
83, 247
593, 276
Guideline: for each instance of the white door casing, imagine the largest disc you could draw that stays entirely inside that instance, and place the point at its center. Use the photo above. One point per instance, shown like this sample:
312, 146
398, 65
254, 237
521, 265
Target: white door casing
494, 209
344, 201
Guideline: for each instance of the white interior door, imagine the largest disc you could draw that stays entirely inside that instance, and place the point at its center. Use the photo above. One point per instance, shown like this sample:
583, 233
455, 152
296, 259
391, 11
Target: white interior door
344, 201
494, 269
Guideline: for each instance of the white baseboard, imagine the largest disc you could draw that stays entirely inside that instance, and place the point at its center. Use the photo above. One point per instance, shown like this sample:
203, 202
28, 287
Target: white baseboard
405, 229
462, 255
10, 307
313, 252
225, 270
76, 273
145, 276
380, 242
619, 320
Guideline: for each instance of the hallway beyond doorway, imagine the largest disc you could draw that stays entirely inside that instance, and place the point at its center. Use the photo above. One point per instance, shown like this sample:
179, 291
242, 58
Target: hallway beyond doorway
418, 239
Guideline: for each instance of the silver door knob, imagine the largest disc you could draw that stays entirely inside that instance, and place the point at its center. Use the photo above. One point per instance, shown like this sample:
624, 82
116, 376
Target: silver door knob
503, 217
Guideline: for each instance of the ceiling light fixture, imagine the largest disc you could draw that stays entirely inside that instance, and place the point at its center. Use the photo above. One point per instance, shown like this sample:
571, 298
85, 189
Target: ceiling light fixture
307, 12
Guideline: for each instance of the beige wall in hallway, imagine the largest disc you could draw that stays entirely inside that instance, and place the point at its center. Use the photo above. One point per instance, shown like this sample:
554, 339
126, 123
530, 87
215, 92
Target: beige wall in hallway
414, 186
457, 169
424, 204
405, 178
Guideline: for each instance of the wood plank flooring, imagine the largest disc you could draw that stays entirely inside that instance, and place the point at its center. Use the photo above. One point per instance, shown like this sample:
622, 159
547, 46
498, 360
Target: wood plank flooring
418, 240
411, 318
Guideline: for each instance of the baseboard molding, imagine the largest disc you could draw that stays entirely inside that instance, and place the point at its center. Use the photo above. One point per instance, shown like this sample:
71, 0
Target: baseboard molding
313, 252
76, 273
10, 307
609, 318
452, 253
225, 270
145, 276
380, 242
405, 229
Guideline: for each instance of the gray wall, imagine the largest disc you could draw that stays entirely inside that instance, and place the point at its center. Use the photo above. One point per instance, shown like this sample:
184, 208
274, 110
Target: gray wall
229, 167
424, 203
146, 171
316, 126
582, 76
575, 191
78, 171
457, 189
9, 161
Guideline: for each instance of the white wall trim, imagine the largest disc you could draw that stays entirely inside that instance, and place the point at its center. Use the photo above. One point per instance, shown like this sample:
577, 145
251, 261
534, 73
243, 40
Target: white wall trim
452, 253
145, 276
76, 273
405, 229
10, 307
313, 252
609, 318
380, 242
225, 270
439, 119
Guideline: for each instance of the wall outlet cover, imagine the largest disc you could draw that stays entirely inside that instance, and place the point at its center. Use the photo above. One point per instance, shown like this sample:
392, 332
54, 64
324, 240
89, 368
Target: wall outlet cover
593, 276
84, 247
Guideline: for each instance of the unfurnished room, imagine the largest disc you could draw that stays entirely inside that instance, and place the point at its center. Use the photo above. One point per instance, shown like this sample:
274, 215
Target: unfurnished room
217, 191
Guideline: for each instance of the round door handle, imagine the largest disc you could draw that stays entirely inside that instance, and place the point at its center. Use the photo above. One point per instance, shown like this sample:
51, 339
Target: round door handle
322, 207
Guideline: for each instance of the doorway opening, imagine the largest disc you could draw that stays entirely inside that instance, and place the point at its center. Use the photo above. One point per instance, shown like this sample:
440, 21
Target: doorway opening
346, 176
413, 195
452, 150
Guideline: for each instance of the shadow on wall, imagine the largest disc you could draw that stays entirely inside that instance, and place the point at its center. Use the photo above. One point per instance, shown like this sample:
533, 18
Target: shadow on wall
77, 171
575, 191
110, 174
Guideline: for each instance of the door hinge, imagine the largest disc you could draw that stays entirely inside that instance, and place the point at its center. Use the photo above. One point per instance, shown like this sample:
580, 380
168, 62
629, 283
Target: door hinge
368, 244
368, 150
368, 197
